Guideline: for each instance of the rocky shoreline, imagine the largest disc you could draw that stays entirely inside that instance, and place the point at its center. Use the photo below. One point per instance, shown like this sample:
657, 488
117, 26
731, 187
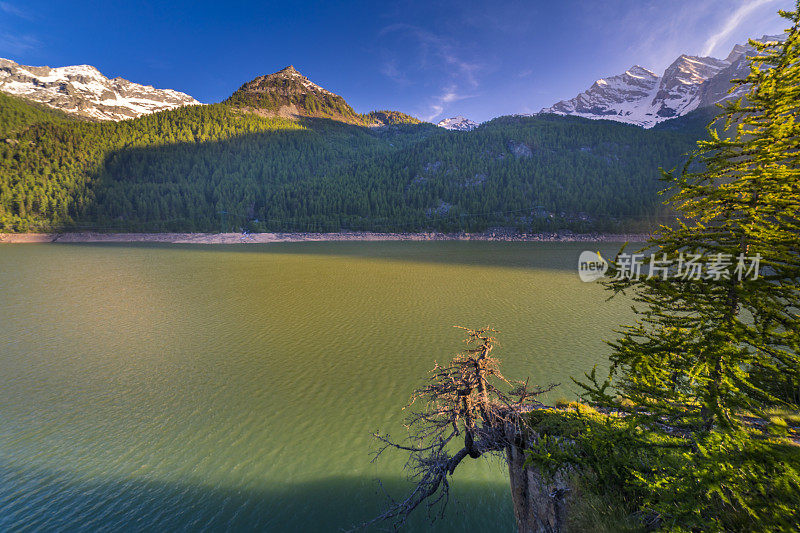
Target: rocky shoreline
256, 238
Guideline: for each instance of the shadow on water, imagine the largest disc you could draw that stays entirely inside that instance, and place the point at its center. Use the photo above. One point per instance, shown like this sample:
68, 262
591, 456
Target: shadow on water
561, 256
45, 500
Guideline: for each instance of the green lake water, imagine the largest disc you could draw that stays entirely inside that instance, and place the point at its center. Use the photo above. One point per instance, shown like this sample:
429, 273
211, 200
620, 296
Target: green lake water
183, 388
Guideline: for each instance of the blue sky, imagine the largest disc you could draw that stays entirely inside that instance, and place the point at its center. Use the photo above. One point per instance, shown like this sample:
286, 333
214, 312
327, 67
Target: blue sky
427, 58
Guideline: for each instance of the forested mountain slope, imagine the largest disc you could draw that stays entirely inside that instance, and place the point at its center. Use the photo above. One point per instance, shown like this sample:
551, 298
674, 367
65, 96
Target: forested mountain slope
217, 167
17, 114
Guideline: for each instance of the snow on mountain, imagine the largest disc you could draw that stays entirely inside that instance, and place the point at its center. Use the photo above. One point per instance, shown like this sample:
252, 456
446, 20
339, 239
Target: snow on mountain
716, 89
616, 98
82, 90
458, 123
640, 97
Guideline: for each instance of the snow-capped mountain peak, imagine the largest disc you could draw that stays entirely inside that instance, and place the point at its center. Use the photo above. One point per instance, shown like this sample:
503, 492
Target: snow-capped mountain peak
458, 123
638, 96
736, 53
83, 90
638, 71
611, 97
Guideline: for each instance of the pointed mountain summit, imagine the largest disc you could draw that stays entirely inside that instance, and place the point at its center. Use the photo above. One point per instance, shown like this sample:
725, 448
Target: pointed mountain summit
610, 97
678, 92
640, 97
458, 123
286, 81
287, 93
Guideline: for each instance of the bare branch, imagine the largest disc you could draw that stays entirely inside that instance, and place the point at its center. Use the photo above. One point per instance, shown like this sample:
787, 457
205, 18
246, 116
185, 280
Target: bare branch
468, 397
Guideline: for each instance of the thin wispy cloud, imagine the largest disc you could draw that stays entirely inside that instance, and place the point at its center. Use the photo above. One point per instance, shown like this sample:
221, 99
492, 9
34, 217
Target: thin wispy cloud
655, 34
436, 111
731, 23
439, 103
450, 96
435, 58
12, 41
391, 71
12, 45
11, 9
434, 47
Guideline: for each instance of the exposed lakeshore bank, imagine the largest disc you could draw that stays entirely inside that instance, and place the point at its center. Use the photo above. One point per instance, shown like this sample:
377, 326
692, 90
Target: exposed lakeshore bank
262, 238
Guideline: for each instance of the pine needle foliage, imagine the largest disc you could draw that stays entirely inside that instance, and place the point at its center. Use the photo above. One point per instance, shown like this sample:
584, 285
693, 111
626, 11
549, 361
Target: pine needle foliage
702, 360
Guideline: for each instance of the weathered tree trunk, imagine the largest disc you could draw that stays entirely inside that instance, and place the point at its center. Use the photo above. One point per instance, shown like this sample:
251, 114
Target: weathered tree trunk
540, 502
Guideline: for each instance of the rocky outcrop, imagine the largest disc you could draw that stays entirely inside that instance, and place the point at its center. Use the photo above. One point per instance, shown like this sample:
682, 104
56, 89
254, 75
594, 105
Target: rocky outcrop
541, 501
519, 149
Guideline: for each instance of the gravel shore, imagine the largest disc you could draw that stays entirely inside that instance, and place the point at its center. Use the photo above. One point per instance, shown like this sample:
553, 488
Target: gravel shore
237, 238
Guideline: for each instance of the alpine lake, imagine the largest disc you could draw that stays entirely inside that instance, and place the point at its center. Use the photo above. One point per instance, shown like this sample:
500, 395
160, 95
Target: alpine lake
148, 387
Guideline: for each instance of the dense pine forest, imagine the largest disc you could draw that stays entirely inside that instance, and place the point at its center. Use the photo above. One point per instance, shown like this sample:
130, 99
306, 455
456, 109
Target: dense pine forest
223, 168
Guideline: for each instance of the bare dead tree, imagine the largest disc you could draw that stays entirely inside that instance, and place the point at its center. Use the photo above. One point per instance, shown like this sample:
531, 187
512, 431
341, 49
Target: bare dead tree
466, 399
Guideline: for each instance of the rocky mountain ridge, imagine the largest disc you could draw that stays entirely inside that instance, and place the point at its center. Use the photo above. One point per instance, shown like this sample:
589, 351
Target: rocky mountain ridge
641, 97
83, 91
458, 123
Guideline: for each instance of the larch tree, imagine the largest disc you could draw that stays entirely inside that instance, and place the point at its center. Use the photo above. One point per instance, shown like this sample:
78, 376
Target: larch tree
718, 325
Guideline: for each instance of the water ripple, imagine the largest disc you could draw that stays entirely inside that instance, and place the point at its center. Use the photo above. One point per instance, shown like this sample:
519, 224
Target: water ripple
214, 389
